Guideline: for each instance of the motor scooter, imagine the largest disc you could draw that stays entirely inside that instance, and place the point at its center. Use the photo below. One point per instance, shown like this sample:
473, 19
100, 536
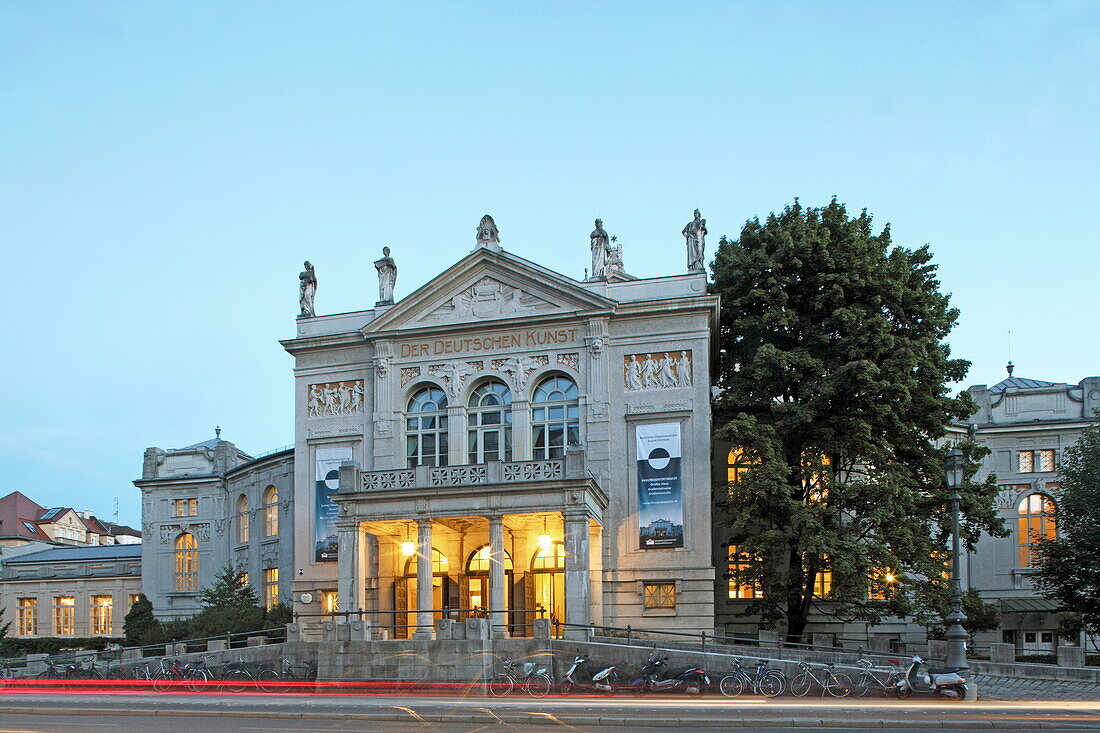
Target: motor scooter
580, 678
943, 682
689, 680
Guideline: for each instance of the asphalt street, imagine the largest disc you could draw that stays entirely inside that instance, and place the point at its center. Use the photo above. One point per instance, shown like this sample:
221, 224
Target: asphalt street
165, 712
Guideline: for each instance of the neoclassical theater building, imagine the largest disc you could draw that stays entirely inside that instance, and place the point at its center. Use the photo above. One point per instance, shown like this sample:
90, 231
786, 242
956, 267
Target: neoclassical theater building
508, 440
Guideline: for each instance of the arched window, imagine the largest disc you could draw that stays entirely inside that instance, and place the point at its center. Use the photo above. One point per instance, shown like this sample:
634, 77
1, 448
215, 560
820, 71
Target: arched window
555, 417
478, 564
187, 562
1035, 522
490, 423
440, 564
271, 511
426, 428
737, 464
242, 519
549, 559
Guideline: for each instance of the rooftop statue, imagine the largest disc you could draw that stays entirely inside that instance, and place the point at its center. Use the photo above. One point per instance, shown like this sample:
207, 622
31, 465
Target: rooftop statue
695, 234
487, 233
387, 276
601, 248
307, 289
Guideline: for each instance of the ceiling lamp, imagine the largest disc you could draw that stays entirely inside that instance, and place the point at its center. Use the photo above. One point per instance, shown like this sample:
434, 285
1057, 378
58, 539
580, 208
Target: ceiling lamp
545, 540
408, 547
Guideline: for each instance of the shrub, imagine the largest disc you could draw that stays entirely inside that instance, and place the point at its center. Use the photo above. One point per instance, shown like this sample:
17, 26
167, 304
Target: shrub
1040, 658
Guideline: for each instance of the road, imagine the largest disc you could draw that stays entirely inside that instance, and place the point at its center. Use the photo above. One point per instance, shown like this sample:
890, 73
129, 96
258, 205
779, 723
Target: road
217, 713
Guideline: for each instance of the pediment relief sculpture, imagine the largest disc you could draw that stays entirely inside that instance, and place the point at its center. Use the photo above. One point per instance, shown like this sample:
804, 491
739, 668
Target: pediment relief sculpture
488, 298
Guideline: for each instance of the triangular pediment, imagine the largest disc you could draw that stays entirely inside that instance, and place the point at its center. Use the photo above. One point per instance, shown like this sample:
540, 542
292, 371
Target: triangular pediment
487, 286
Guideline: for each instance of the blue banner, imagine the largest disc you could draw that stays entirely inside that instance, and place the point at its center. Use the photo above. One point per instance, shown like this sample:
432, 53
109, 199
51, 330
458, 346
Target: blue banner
660, 491
327, 482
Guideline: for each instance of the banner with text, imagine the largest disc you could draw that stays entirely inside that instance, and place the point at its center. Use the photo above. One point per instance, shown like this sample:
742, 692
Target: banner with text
660, 492
327, 482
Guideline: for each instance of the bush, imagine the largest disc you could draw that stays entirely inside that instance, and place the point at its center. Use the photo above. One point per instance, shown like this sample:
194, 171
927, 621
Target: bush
140, 626
17, 647
1092, 660
1041, 658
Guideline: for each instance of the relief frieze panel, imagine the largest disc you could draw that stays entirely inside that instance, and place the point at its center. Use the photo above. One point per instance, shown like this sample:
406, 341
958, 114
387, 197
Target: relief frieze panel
335, 399
656, 370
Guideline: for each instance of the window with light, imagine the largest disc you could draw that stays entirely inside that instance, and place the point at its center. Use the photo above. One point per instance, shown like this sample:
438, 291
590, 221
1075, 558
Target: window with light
1035, 522
242, 519
426, 428
271, 587
555, 417
271, 511
660, 595
490, 423
102, 615
741, 562
64, 615
187, 563
28, 617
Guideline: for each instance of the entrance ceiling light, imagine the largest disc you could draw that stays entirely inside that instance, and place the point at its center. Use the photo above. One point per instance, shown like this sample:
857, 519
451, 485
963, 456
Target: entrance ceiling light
408, 547
545, 540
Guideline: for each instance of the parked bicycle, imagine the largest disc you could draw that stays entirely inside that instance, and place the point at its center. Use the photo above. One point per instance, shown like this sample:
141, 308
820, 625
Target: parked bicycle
172, 675
764, 681
238, 677
868, 678
531, 679
836, 684
284, 678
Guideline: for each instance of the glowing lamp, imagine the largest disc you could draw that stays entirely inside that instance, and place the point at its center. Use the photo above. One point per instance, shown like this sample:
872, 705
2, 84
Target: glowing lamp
408, 547
545, 542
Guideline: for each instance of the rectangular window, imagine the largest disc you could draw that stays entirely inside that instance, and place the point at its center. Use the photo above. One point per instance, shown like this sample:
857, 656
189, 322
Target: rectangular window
64, 615
660, 595
186, 507
28, 616
271, 587
740, 562
102, 615
823, 583
1025, 461
244, 580
330, 601
1046, 460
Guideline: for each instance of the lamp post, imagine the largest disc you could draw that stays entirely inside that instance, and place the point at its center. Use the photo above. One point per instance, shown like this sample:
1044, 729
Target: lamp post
956, 634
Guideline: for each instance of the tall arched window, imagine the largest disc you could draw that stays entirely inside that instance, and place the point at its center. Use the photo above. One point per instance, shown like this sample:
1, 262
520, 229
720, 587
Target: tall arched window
555, 417
187, 562
737, 464
271, 511
242, 519
426, 428
1035, 522
490, 423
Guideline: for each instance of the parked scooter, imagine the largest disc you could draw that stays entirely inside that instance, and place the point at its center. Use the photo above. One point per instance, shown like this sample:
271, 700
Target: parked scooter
690, 680
945, 683
580, 678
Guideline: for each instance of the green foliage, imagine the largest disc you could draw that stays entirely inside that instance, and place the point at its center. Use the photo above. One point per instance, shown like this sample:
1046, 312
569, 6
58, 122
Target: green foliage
229, 606
5, 627
980, 616
140, 626
229, 590
1038, 658
20, 646
1069, 570
834, 382
278, 615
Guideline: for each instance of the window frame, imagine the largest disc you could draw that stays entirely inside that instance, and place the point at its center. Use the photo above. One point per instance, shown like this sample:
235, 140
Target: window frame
27, 616
271, 587
1033, 526
738, 561
243, 519
64, 616
101, 615
271, 512
659, 595
544, 423
186, 565
478, 431
415, 436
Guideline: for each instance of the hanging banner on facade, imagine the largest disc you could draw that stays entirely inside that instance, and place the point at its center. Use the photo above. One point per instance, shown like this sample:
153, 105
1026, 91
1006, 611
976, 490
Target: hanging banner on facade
327, 479
660, 492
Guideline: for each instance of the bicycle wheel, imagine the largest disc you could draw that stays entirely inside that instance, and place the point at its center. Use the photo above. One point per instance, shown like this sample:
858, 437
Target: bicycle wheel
538, 685
802, 684
163, 681
565, 688
862, 685
839, 685
270, 681
501, 685
236, 680
731, 685
772, 684
198, 680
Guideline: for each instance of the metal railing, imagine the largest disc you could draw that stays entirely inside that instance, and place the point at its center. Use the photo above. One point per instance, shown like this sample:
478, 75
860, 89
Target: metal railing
516, 618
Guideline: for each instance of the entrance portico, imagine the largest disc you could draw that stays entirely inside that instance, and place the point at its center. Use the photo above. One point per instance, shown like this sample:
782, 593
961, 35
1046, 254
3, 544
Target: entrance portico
499, 539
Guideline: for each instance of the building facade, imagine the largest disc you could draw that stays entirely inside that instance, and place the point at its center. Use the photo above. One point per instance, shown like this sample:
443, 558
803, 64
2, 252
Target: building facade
70, 591
508, 440
210, 505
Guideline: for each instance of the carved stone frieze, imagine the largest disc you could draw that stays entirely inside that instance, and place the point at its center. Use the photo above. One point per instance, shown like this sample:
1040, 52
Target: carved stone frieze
408, 374
657, 370
488, 298
573, 361
220, 526
166, 532
335, 399
453, 374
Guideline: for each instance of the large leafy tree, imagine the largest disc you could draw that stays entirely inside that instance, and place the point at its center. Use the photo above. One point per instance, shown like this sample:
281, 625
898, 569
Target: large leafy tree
1069, 570
834, 373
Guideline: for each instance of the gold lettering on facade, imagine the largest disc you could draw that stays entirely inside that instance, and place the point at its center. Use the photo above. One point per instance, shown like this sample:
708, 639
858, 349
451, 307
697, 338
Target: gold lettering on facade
491, 342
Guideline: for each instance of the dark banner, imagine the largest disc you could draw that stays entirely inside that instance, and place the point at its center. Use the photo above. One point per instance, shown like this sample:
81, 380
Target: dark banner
327, 482
660, 491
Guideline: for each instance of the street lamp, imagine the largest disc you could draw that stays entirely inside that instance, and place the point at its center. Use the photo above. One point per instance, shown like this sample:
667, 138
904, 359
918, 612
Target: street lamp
955, 466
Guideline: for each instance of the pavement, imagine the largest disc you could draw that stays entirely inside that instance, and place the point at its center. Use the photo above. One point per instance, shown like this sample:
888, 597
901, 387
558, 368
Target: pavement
301, 712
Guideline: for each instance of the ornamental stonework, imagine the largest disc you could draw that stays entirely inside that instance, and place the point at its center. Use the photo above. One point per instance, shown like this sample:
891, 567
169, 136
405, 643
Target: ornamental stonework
408, 374
335, 399
572, 361
657, 370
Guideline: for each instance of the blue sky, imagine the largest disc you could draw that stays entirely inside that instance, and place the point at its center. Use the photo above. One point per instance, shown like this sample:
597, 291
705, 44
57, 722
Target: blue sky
166, 167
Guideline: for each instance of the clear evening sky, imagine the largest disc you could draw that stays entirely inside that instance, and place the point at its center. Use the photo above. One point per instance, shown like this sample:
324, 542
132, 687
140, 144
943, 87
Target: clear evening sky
166, 167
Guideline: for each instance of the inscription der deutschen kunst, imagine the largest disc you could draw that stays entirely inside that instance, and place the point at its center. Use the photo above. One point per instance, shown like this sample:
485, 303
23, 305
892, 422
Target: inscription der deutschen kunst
490, 342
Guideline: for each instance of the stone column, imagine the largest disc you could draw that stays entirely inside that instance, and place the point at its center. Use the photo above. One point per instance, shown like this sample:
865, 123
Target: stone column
456, 435
498, 621
349, 586
578, 597
424, 617
521, 430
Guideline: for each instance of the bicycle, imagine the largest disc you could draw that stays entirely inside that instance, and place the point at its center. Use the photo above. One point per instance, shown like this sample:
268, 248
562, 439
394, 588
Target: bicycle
532, 680
867, 678
283, 681
837, 685
237, 676
766, 682
173, 675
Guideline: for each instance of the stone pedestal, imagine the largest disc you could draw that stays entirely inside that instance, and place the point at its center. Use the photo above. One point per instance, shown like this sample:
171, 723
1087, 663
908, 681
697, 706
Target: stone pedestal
131, 654
542, 628
217, 645
1002, 653
769, 638
444, 629
1071, 656
359, 630
294, 632
477, 628
879, 645
826, 640
257, 640
937, 649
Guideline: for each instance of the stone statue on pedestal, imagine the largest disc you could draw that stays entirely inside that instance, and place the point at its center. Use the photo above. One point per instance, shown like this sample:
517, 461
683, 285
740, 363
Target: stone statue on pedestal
601, 248
387, 277
615, 258
307, 289
487, 233
695, 233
